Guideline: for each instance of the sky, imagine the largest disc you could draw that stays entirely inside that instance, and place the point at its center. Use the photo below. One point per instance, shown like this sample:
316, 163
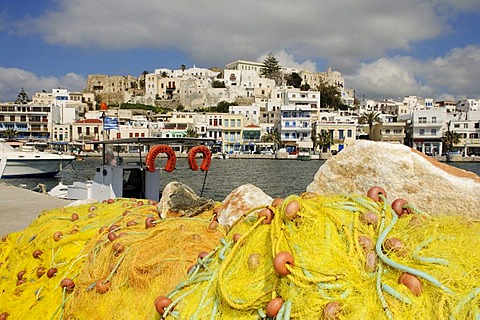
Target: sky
383, 48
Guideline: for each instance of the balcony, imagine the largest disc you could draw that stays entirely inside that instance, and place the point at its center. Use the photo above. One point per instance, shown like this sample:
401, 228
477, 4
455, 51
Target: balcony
427, 124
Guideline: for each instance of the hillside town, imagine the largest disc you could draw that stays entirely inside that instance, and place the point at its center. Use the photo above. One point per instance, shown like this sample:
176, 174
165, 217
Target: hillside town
247, 107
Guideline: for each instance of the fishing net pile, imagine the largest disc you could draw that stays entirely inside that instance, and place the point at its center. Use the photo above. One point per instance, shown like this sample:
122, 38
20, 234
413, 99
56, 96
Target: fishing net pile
95, 261
336, 257
304, 257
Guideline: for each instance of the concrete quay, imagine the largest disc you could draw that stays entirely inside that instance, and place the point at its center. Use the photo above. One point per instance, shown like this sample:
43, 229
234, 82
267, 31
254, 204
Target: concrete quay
19, 207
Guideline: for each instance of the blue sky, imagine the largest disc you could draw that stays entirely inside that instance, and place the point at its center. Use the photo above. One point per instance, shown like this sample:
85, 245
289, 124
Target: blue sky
383, 48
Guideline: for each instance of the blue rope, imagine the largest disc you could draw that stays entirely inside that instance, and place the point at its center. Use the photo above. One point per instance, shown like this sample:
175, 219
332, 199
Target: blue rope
393, 264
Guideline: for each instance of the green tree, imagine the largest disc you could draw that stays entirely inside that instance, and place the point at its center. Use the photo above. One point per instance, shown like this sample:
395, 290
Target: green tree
183, 67
330, 96
324, 140
272, 136
294, 80
223, 106
143, 79
218, 84
22, 97
370, 118
305, 87
271, 69
10, 133
450, 138
191, 133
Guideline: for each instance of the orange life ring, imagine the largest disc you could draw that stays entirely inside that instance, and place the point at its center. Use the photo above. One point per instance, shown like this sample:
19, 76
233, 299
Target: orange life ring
192, 158
155, 151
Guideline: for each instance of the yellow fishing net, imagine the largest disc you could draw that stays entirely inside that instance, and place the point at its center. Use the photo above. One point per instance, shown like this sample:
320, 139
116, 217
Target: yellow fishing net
106, 242
336, 257
309, 257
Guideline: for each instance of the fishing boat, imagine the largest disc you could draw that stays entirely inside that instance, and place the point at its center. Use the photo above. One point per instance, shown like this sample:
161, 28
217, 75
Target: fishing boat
115, 178
19, 163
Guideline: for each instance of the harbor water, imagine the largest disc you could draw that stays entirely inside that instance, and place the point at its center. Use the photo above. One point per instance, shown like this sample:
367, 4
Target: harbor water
277, 178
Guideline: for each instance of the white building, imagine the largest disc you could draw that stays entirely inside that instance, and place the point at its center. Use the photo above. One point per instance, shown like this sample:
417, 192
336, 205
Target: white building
251, 113
427, 128
296, 126
243, 65
342, 129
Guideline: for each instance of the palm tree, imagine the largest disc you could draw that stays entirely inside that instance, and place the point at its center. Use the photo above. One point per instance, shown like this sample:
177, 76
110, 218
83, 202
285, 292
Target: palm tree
10, 133
272, 136
370, 118
191, 133
324, 140
450, 138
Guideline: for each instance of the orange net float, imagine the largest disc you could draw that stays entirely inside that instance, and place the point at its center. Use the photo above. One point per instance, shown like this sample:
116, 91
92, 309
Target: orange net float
155, 151
192, 158
375, 192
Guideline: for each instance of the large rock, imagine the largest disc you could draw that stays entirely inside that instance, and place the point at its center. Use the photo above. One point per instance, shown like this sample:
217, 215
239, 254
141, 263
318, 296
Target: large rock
403, 172
240, 201
180, 200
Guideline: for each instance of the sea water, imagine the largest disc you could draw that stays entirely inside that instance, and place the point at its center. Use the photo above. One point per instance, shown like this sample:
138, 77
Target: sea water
277, 178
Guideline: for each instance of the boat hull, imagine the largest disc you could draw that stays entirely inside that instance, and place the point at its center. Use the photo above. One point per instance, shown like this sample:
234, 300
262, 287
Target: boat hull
34, 167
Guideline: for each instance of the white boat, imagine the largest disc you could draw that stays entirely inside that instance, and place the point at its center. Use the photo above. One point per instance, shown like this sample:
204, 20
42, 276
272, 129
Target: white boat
115, 178
30, 163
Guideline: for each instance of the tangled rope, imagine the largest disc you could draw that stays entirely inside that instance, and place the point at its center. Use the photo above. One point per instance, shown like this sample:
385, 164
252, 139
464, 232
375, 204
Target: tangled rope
336, 257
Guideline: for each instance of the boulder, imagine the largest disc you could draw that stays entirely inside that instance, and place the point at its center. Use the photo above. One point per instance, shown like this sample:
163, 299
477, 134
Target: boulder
240, 201
403, 172
180, 200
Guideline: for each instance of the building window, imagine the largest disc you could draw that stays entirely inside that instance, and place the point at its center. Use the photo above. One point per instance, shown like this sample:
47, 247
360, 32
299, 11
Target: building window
422, 119
422, 132
79, 130
434, 119
433, 132
349, 133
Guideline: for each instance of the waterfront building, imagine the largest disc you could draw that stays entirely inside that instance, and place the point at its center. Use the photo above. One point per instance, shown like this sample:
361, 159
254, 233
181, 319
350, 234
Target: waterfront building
29, 121
388, 130
466, 122
85, 131
295, 127
342, 129
232, 132
214, 126
426, 129
251, 136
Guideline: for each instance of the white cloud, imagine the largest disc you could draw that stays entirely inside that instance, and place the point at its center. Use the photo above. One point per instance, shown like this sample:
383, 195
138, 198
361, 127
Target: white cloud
455, 74
12, 80
301, 33
215, 32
